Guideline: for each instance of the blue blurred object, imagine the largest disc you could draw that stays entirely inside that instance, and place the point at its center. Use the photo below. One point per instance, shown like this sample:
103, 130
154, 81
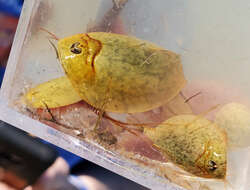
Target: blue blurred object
2, 70
74, 180
11, 7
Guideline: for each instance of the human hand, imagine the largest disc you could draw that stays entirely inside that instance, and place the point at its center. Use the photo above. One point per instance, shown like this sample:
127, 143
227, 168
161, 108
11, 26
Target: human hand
54, 178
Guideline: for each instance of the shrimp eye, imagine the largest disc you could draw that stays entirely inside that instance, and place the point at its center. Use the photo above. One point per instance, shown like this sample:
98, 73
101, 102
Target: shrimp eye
212, 166
75, 48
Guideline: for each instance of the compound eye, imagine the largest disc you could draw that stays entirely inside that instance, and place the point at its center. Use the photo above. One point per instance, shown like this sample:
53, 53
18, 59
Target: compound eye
75, 48
212, 166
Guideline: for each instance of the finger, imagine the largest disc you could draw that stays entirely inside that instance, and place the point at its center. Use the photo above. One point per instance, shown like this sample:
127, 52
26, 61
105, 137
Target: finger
92, 183
60, 166
28, 188
4, 186
55, 174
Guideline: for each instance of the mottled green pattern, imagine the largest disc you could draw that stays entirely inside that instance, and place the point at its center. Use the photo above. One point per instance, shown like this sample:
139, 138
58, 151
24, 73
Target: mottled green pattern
191, 142
130, 75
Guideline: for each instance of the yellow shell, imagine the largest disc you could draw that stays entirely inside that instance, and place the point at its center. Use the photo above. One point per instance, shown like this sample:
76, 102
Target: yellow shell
54, 93
126, 74
194, 143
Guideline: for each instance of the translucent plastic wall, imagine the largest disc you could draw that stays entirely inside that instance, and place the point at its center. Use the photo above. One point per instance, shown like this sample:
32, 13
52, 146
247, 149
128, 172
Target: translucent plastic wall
212, 42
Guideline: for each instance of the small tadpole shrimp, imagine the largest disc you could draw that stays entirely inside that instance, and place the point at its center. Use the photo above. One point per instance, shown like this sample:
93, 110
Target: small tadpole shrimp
194, 143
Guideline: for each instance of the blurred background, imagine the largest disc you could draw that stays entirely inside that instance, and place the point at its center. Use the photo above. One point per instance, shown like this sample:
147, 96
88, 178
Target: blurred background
9, 15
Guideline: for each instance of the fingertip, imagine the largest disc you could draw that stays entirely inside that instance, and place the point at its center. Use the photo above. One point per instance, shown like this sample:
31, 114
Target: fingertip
4, 186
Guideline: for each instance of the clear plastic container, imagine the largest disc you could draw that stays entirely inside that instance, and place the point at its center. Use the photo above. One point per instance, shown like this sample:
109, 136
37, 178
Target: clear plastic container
213, 42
